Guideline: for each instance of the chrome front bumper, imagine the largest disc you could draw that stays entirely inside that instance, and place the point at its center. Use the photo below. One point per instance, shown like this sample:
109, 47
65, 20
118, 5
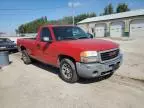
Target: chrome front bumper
92, 70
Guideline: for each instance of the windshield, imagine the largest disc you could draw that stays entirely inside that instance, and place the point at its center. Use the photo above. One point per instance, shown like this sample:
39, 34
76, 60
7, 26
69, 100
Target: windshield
5, 40
69, 33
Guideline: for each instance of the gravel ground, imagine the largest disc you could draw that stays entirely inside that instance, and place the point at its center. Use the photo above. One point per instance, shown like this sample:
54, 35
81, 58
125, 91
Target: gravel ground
38, 85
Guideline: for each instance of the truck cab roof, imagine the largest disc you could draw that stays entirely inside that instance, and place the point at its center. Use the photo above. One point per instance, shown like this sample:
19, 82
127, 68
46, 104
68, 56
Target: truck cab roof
49, 25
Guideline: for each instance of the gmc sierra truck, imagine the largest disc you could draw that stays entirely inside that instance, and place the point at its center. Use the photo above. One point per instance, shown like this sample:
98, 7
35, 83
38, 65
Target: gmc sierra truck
73, 51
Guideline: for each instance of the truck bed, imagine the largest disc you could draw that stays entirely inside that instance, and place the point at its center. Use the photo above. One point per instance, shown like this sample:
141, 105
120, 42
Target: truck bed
25, 41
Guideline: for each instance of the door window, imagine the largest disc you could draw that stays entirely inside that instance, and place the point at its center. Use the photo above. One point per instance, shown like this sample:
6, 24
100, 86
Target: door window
45, 33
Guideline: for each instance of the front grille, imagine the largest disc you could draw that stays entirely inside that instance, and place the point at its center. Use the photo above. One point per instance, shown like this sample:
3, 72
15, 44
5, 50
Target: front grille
109, 54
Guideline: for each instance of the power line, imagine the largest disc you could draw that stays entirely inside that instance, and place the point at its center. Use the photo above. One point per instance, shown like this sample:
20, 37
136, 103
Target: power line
16, 14
30, 9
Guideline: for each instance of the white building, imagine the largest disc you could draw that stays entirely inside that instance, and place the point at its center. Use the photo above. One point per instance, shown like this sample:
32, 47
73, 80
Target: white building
116, 25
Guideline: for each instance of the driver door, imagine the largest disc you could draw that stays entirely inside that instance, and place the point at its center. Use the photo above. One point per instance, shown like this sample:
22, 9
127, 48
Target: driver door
46, 49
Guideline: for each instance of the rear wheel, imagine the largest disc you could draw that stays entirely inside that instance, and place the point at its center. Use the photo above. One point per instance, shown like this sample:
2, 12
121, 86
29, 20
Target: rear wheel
68, 71
25, 57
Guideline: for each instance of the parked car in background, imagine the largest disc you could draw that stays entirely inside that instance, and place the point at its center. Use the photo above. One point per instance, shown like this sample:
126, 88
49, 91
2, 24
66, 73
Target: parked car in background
73, 51
7, 45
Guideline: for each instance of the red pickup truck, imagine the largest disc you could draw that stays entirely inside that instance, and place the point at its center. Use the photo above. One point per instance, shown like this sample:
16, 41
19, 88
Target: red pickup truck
73, 51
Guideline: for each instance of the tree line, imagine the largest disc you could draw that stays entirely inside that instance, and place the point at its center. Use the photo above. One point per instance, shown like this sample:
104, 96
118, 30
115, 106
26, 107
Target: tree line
109, 9
33, 26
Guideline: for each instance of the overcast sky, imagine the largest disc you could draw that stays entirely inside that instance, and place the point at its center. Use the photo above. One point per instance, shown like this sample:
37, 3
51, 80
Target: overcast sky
16, 12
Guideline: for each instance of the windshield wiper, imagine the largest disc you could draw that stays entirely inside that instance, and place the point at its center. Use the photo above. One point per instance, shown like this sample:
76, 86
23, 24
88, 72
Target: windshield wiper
83, 37
69, 38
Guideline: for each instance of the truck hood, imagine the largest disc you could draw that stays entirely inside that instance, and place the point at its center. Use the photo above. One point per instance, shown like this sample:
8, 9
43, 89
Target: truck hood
92, 44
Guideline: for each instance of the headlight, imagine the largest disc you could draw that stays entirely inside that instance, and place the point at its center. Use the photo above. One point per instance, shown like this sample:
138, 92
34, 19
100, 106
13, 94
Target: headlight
89, 56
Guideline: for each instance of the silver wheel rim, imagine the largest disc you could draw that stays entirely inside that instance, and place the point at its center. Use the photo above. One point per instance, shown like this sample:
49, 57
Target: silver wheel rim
66, 71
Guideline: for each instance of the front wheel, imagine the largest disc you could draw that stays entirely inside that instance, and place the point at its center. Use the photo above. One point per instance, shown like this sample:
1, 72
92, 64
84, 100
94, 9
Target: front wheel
68, 71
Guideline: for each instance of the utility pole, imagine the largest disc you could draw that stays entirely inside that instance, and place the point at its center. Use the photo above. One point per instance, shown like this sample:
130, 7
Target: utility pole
73, 5
73, 13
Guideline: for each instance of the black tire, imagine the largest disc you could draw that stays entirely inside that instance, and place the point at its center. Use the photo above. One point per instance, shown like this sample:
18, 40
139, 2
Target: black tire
109, 75
25, 57
73, 77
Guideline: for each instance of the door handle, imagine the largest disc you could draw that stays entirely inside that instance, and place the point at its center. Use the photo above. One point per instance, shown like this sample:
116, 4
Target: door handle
38, 46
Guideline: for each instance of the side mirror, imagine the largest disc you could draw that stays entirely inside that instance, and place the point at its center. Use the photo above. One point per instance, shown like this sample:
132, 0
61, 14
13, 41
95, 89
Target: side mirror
46, 39
90, 35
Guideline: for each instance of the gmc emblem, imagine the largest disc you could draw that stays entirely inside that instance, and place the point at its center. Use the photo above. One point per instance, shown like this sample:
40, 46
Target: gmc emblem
112, 53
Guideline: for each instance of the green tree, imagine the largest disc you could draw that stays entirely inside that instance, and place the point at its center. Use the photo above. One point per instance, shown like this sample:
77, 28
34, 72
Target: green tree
32, 26
122, 7
108, 10
81, 17
21, 29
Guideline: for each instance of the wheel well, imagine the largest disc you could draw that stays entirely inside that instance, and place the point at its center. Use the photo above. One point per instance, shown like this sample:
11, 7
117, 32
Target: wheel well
22, 48
60, 57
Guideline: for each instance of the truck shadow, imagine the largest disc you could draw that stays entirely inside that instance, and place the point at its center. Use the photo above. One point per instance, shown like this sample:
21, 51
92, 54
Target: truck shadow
93, 80
46, 67
55, 71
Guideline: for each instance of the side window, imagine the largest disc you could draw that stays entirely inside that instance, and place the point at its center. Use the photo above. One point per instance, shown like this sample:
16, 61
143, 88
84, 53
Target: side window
45, 32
